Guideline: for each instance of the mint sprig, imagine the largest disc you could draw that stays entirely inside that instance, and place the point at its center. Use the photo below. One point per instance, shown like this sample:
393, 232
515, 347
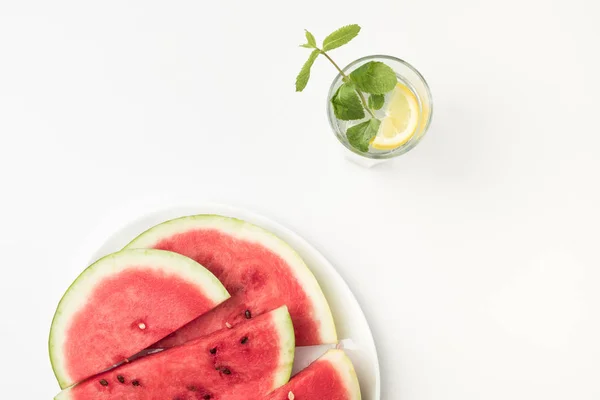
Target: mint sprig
360, 135
374, 77
346, 103
376, 101
304, 74
311, 42
349, 103
340, 37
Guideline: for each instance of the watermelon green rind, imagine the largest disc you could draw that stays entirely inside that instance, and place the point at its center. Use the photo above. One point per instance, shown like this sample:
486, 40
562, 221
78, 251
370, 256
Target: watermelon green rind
346, 371
75, 296
310, 382
287, 342
246, 231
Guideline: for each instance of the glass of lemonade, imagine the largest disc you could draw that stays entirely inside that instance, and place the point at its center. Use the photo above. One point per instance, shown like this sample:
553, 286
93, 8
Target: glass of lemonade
405, 115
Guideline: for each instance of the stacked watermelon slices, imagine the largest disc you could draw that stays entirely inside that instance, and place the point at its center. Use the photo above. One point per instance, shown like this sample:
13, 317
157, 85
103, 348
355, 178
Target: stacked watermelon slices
200, 307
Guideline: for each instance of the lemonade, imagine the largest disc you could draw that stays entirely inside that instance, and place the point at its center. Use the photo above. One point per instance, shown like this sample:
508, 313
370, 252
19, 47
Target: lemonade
379, 107
405, 114
400, 116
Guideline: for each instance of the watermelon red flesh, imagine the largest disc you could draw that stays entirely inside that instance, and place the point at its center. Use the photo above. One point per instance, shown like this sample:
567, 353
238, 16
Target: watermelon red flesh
122, 304
115, 311
259, 278
242, 268
331, 377
253, 358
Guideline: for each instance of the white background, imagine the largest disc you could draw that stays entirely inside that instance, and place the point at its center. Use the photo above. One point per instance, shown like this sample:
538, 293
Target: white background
474, 256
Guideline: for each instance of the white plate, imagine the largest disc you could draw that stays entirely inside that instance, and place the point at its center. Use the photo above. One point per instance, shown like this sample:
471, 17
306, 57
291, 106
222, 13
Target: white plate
353, 329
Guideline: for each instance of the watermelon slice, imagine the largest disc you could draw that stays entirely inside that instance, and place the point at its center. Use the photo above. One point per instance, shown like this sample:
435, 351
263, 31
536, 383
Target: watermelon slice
248, 361
259, 270
123, 303
331, 377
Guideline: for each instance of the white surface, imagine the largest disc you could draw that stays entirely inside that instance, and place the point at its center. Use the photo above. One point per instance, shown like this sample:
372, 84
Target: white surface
474, 256
352, 327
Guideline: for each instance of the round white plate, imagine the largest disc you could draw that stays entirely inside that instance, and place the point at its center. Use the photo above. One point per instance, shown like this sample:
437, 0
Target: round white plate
353, 329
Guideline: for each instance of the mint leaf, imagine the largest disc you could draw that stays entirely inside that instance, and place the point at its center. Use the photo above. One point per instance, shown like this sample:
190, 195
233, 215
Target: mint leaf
340, 37
346, 104
376, 101
307, 46
360, 135
374, 77
304, 75
311, 41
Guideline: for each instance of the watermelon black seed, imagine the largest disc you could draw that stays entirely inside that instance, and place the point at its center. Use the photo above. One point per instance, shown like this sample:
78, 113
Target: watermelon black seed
206, 397
213, 350
224, 370
247, 314
244, 340
135, 383
120, 378
103, 382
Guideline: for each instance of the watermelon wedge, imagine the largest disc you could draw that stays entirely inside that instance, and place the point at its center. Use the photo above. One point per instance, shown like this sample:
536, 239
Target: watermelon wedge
248, 361
331, 377
259, 270
123, 303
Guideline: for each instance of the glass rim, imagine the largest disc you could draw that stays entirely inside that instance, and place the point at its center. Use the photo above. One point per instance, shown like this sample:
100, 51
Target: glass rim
393, 153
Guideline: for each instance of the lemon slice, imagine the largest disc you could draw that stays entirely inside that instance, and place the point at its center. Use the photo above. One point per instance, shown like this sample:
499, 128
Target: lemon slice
400, 121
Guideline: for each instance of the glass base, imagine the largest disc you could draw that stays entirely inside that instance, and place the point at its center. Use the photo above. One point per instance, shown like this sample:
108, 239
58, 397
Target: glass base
360, 160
